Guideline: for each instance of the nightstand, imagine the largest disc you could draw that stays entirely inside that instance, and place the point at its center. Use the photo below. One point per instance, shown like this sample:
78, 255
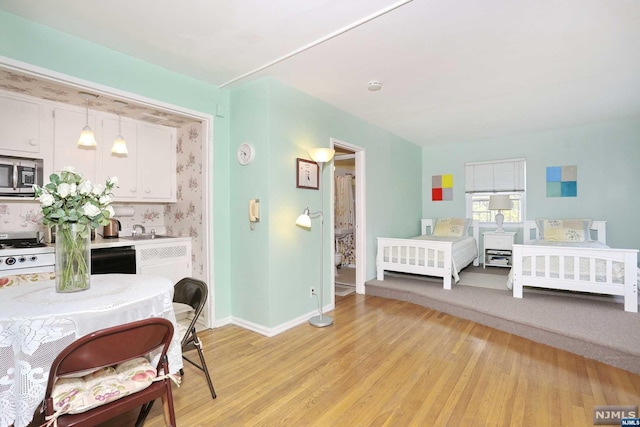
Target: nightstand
498, 248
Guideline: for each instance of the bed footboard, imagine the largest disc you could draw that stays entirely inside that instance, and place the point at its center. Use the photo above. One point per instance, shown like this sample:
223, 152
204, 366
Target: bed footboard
429, 258
602, 271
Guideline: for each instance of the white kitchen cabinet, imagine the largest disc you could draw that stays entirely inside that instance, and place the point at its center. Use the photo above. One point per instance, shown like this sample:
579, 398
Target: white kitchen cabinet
19, 126
167, 259
121, 166
157, 163
67, 127
146, 174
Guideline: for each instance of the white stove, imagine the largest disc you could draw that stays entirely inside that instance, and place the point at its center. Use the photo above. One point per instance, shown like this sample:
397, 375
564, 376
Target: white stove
23, 253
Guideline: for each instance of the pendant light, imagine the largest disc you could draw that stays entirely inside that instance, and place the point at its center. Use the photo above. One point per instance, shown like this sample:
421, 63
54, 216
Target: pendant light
120, 145
87, 139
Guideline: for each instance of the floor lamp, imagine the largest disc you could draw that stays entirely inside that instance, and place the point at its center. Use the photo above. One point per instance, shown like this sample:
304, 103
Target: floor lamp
320, 156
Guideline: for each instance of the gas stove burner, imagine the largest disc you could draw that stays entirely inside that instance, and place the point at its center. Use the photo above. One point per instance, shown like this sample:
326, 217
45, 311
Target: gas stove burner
26, 244
21, 245
20, 240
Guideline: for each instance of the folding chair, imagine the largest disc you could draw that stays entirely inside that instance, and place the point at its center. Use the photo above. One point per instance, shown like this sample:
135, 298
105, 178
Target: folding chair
103, 358
193, 292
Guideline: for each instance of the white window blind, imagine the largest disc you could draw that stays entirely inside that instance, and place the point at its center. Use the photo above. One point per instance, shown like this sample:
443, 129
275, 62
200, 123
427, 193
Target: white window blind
495, 176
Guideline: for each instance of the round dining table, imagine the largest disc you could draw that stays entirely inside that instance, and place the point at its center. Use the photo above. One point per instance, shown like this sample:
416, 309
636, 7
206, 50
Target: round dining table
37, 323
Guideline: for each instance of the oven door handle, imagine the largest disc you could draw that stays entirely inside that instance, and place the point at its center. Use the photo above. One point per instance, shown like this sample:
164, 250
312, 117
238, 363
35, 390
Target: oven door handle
15, 176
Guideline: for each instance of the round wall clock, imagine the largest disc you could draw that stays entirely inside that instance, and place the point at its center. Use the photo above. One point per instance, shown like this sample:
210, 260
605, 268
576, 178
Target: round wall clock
246, 153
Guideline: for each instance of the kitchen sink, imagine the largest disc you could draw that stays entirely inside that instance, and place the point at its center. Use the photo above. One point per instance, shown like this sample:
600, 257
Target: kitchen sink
146, 237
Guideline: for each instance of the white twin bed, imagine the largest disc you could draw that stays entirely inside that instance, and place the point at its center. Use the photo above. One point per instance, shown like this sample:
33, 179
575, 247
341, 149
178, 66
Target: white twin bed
575, 263
567, 259
441, 250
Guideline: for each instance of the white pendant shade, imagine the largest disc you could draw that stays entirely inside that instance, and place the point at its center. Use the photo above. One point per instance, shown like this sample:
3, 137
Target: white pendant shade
87, 139
119, 146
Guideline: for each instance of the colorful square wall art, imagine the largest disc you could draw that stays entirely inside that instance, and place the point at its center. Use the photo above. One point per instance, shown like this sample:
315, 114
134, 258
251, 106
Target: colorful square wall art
441, 187
562, 181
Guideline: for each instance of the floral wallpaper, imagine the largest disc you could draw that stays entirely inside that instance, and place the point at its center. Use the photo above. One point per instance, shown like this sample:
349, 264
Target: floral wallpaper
184, 218
26, 216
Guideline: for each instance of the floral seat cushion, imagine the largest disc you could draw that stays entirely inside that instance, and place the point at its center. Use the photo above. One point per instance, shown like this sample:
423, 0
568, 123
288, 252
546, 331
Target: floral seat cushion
75, 395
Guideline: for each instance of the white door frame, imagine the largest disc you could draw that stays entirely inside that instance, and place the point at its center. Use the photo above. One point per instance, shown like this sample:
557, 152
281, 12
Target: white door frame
207, 129
361, 216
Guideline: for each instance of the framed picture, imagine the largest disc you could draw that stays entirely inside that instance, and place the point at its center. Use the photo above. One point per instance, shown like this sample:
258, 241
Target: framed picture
307, 174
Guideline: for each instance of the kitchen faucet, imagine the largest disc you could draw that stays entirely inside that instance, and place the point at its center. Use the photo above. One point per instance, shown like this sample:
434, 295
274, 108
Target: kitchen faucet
133, 232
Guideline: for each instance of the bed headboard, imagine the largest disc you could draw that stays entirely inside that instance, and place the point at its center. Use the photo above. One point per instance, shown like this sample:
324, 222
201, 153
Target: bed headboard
600, 227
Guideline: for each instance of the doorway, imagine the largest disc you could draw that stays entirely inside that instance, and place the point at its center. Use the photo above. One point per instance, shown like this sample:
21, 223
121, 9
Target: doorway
348, 219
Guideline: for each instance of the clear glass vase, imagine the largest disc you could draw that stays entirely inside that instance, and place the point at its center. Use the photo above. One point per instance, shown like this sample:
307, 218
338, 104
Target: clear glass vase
73, 257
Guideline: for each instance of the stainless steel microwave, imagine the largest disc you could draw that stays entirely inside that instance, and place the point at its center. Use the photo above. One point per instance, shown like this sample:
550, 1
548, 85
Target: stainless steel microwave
18, 175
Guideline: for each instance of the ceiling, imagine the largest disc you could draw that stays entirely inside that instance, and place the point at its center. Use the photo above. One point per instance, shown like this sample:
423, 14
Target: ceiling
450, 71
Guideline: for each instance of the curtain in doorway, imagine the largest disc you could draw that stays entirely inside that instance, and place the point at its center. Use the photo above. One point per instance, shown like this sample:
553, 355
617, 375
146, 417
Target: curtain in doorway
345, 218
345, 210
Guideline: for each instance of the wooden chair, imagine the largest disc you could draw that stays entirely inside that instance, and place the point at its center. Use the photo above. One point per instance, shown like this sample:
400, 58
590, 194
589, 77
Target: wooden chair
106, 348
193, 292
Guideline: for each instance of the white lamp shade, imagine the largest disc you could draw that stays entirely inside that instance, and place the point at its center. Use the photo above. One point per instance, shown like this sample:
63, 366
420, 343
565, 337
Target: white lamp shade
304, 220
86, 138
321, 155
119, 146
499, 202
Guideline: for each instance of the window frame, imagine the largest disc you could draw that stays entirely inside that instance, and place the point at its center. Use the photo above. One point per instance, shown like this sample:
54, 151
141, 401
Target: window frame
522, 210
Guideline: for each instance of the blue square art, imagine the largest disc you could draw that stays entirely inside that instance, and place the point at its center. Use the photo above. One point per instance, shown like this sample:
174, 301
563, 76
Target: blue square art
562, 181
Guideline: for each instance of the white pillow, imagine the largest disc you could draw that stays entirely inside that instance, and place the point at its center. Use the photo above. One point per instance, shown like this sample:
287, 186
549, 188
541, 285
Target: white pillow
451, 227
564, 230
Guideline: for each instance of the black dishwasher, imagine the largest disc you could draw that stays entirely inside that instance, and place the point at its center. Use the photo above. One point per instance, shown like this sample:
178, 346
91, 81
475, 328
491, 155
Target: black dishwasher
113, 260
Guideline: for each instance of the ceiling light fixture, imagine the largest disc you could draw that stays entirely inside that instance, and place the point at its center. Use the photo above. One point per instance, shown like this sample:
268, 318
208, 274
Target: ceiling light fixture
120, 145
374, 86
87, 139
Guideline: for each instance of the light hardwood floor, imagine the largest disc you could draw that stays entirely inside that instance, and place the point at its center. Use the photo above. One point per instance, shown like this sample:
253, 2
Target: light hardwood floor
391, 363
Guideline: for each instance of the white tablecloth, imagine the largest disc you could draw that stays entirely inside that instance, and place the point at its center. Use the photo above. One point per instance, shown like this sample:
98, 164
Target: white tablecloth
36, 323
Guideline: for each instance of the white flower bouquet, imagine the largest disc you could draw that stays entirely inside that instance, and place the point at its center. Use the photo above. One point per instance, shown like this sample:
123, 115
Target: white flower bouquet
75, 206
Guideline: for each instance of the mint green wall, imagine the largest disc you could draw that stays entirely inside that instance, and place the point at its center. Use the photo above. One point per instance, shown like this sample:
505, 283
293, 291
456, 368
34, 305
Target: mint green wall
250, 287
274, 266
45, 47
607, 156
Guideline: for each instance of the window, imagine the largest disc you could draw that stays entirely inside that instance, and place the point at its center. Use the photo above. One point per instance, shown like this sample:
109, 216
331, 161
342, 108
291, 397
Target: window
482, 179
478, 207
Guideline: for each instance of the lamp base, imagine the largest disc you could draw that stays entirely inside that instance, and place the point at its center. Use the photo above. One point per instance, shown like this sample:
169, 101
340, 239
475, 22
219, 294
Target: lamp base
499, 222
321, 321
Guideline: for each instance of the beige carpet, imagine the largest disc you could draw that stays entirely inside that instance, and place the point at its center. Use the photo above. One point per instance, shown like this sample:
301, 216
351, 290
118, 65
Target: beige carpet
597, 328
